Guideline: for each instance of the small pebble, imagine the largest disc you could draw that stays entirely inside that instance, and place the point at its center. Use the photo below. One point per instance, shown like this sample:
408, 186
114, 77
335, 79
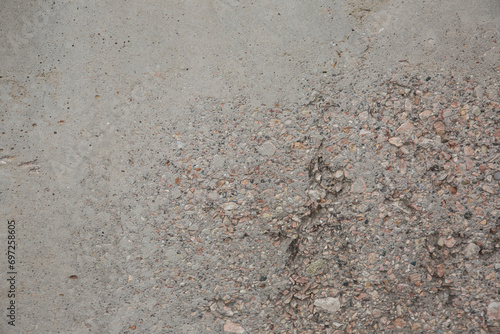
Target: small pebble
396, 141
359, 186
229, 206
425, 114
471, 250
439, 127
231, 327
476, 110
267, 149
329, 304
494, 311
315, 267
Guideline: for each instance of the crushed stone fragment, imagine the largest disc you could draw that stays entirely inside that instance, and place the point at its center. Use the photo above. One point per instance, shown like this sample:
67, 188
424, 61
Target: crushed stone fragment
328, 304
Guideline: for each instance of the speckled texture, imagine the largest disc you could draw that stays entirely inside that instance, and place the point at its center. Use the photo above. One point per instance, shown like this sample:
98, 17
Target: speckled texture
229, 166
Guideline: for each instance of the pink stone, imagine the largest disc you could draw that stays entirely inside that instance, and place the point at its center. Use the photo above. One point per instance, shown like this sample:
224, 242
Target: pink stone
439, 127
396, 141
406, 127
468, 150
232, 327
494, 311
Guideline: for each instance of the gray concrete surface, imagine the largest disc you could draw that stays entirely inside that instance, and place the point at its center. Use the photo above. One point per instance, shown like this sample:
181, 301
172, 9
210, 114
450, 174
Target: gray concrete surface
97, 97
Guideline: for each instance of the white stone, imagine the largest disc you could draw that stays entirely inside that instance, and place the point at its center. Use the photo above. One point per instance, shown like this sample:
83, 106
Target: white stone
231, 327
267, 148
229, 206
472, 250
329, 304
396, 141
316, 195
